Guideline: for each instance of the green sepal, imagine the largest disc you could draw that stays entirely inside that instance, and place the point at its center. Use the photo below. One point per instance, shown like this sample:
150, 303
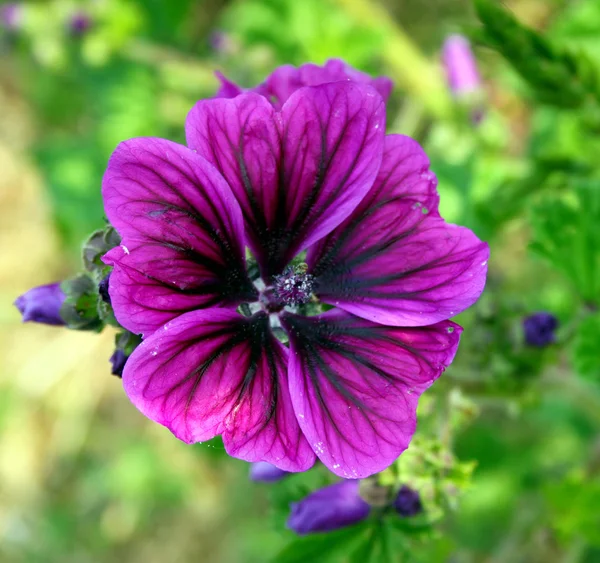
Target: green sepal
127, 341
97, 245
80, 309
106, 313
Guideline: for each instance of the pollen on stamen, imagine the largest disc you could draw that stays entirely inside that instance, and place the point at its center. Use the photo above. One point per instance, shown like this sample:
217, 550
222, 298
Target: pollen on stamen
294, 286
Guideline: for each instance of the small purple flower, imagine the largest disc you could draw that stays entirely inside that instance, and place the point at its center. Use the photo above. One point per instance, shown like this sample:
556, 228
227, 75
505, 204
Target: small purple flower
330, 508
286, 79
42, 304
79, 23
408, 502
460, 66
264, 472
539, 329
11, 16
118, 361
318, 176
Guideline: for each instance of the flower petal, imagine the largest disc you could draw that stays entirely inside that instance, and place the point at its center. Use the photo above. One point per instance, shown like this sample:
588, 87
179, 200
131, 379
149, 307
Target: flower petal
394, 260
286, 79
215, 372
183, 241
355, 385
299, 173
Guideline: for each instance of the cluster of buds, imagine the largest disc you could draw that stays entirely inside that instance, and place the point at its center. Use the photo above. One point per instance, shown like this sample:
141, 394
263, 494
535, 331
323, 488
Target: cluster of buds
342, 504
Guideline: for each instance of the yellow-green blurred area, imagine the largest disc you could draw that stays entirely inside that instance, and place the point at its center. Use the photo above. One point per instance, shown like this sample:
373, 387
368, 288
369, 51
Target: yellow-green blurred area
86, 478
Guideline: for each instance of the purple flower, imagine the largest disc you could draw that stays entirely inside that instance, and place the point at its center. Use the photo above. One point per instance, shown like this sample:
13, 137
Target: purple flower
286, 79
42, 304
539, 329
460, 66
11, 16
264, 472
118, 361
408, 502
318, 176
79, 23
328, 509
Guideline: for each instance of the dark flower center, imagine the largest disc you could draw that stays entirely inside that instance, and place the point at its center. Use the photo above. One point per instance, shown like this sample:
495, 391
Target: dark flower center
294, 286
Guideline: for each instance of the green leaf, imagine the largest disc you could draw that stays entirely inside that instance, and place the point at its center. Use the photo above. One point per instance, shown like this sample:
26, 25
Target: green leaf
586, 359
557, 75
323, 546
566, 234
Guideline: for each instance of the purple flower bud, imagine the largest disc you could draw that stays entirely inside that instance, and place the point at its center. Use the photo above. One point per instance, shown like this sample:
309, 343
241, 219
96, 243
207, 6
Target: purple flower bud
460, 66
264, 472
221, 42
11, 16
118, 360
103, 289
328, 509
79, 23
539, 329
408, 502
42, 304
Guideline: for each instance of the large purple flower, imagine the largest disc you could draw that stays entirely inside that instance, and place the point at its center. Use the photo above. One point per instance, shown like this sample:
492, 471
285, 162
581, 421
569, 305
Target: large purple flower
318, 176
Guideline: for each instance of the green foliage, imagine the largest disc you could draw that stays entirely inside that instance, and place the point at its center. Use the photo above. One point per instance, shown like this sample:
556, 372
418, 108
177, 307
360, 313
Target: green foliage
557, 75
574, 505
325, 546
586, 359
565, 234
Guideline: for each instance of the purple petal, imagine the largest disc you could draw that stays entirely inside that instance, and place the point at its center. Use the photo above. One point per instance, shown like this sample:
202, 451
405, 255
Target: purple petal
228, 89
42, 304
394, 260
355, 385
329, 508
263, 472
182, 229
286, 79
299, 173
215, 372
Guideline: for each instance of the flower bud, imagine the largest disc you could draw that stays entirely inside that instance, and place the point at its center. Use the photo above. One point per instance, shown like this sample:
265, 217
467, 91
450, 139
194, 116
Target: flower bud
460, 66
11, 16
539, 329
79, 23
118, 360
103, 289
330, 508
264, 472
42, 304
408, 502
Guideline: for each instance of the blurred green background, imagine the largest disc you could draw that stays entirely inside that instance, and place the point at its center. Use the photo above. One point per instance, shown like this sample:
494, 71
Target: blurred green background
85, 478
